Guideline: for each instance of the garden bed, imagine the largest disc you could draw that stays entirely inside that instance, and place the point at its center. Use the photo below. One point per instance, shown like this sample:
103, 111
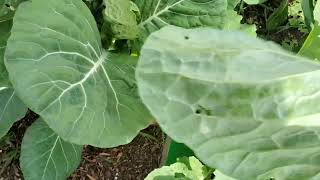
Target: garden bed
132, 161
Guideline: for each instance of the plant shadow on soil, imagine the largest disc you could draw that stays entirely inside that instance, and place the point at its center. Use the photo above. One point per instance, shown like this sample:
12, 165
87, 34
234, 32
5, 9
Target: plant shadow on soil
132, 161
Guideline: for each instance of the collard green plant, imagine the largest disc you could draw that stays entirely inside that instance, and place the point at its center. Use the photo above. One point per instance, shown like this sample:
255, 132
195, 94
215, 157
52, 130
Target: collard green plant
245, 108
248, 109
58, 67
7, 9
45, 156
308, 8
187, 14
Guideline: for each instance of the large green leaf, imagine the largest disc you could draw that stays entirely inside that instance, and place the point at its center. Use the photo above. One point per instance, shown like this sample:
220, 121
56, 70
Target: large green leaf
183, 13
156, 14
11, 108
311, 47
249, 109
122, 18
57, 66
45, 156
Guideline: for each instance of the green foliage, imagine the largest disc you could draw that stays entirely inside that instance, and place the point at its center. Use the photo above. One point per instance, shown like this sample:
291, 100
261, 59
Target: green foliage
156, 14
186, 168
5, 28
243, 105
45, 156
311, 47
308, 8
7, 9
278, 17
122, 18
247, 109
58, 67
11, 107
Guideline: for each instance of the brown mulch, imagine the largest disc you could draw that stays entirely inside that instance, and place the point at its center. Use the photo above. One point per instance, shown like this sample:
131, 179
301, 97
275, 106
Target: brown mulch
132, 161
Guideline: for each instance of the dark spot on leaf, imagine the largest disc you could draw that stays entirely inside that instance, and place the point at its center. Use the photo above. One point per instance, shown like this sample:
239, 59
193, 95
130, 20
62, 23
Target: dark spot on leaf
186, 37
179, 175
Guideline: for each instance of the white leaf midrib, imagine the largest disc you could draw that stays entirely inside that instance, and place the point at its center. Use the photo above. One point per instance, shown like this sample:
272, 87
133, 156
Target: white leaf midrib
96, 65
6, 105
49, 158
3, 88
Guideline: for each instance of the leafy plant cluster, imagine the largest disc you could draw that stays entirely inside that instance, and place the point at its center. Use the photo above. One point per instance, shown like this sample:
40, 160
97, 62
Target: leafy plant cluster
99, 72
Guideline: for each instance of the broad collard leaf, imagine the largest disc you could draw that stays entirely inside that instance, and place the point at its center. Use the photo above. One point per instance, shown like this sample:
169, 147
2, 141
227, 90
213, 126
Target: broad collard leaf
45, 156
249, 109
58, 67
156, 14
122, 18
311, 47
11, 107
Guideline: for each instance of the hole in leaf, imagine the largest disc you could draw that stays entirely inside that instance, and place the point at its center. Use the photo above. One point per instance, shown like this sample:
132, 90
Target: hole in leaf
202, 110
7, 5
198, 111
186, 37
